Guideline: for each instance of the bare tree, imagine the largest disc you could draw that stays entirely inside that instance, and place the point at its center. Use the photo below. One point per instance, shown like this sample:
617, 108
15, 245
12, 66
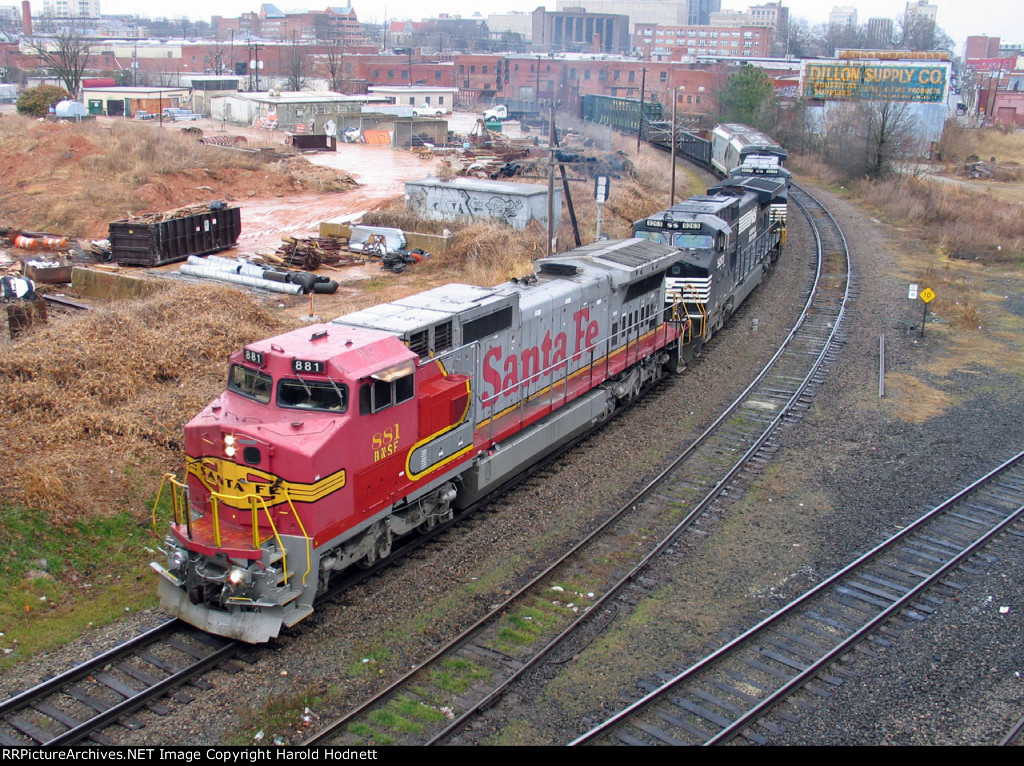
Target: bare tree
296, 67
922, 35
67, 55
334, 64
216, 59
794, 38
867, 138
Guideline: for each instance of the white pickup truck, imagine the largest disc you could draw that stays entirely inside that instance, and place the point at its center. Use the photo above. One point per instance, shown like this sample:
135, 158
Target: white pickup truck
499, 112
426, 110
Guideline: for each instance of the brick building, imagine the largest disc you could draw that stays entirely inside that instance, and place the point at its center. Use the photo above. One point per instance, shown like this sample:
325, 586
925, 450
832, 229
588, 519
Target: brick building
670, 43
271, 23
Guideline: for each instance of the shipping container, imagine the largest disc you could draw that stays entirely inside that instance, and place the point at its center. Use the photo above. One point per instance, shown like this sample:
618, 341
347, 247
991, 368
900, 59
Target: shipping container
147, 242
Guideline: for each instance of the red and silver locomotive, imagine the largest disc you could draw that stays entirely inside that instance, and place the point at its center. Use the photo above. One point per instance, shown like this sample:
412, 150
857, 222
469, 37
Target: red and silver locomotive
332, 440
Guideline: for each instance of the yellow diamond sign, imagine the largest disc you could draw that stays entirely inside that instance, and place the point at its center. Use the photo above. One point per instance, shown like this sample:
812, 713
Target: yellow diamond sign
927, 294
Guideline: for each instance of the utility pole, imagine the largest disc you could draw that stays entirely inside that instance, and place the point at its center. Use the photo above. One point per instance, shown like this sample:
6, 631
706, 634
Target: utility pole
551, 179
640, 124
672, 186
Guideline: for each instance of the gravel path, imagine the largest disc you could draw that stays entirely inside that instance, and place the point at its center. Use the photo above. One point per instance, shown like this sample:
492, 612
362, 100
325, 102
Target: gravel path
854, 470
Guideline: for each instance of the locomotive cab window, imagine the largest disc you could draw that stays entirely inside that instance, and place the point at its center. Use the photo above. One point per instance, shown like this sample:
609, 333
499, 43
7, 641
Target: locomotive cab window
250, 383
694, 241
387, 387
652, 236
312, 395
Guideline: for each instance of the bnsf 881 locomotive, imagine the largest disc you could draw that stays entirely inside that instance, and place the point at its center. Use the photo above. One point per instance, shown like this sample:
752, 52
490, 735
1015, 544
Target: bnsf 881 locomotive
332, 440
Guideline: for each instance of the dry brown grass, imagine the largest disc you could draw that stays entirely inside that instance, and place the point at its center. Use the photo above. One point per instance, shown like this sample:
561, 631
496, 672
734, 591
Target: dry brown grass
100, 400
962, 222
959, 143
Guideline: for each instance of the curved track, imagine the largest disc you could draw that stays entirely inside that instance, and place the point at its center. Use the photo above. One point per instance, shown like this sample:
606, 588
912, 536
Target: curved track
472, 672
786, 658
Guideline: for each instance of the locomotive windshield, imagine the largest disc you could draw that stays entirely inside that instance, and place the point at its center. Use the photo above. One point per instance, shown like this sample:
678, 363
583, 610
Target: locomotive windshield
695, 241
678, 239
250, 383
312, 395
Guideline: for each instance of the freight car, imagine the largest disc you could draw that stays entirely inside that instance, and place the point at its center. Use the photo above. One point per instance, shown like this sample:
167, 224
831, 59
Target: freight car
623, 114
729, 150
732, 144
722, 150
727, 240
333, 440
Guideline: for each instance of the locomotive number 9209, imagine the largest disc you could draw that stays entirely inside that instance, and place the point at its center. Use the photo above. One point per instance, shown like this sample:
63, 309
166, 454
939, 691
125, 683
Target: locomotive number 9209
305, 365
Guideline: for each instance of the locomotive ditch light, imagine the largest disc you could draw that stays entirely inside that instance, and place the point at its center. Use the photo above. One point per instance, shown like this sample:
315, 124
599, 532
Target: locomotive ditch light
177, 558
238, 576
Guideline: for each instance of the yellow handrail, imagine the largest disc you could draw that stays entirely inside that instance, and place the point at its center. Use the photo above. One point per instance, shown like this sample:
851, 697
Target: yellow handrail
252, 499
177, 499
702, 308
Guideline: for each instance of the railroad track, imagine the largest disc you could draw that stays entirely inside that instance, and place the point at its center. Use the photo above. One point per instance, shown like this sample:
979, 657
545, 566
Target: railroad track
432, 702
744, 688
76, 705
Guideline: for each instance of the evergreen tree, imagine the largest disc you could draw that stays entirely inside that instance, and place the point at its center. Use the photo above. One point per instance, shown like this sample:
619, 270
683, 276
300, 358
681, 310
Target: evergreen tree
749, 98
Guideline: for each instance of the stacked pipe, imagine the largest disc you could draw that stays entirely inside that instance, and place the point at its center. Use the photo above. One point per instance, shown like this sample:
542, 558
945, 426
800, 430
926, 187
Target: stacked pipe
252, 275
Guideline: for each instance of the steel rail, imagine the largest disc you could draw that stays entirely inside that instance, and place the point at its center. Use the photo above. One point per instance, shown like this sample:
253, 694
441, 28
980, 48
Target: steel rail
801, 679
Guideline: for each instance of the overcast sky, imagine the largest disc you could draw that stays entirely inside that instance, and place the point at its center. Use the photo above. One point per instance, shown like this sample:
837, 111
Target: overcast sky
959, 18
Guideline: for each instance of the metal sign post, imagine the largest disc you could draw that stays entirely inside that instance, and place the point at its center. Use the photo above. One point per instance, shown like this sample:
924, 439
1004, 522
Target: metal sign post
926, 295
601, 186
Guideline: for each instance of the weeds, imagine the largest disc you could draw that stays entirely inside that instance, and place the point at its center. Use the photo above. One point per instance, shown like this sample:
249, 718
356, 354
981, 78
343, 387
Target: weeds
57, 581
457, 675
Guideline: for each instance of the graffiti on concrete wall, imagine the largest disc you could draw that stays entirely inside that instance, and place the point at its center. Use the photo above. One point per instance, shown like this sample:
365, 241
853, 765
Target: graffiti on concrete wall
452, 203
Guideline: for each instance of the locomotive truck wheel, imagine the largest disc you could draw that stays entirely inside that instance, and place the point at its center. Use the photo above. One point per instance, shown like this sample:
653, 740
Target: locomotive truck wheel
380, 549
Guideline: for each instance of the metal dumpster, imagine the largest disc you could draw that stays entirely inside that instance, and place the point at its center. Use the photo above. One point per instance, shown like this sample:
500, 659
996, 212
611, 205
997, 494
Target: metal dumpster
154, 240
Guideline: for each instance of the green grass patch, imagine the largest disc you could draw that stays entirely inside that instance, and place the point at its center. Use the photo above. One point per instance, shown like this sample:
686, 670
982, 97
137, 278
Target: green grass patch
456, 675
517, 733
367, 735
392, 718
57, 581
527, 624
418, 711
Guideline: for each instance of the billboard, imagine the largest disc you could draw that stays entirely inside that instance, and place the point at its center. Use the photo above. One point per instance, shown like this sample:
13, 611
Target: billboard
863, 81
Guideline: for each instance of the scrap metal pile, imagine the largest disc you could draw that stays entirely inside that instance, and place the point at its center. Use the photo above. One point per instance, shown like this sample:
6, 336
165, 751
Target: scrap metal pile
496, 162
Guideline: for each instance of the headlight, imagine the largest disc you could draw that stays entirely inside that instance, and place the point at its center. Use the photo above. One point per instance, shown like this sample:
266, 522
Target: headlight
238, 576
229, 445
